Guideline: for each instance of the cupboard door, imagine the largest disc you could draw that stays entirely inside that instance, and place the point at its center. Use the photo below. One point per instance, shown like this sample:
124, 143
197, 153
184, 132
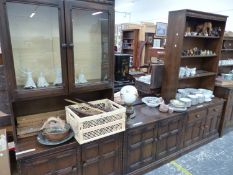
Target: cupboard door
194, 129
36, 62
102, 157
140, 147
62, 163
90, 42
169, 136
193, 132
212, 121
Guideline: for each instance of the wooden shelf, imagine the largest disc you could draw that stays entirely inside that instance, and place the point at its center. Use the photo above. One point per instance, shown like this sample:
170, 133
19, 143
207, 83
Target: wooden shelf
206, 37
199, 56
199, 75
226, 50
227, 65
128, 38
127, 48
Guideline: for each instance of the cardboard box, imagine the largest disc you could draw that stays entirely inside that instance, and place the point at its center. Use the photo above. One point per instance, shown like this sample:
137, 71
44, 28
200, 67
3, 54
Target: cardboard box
4, 154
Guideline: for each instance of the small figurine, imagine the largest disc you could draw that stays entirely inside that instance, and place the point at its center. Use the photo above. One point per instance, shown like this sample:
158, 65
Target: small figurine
81, 78
58, 79
30, 84
42, 82
188, 31
204, 29
216, 31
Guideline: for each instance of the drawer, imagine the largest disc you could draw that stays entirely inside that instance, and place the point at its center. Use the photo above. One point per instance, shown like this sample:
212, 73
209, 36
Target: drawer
49, 164
196, 115
216, 110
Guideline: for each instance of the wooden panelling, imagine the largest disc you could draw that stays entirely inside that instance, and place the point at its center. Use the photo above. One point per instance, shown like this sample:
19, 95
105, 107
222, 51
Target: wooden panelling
140, 146
56, 163
169, 136
102, 157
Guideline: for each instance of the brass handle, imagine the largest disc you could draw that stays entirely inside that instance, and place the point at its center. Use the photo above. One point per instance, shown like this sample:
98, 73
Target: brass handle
71, 45
197, 116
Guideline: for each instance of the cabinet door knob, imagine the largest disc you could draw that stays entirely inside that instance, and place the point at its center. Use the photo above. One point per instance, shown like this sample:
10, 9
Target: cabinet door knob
197, 116
214, 110
71, 45
63, 45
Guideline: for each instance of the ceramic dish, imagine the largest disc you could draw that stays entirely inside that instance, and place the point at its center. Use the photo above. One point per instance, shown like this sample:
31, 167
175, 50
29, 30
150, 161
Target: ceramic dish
200, 98
186, 101
152, 101
194, 99
177, 103
42, 140
178, 109
206, 91
207, 99
56, 134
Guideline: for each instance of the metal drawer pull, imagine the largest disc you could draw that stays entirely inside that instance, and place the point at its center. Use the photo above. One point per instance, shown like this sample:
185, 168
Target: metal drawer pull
197, 116
206, 126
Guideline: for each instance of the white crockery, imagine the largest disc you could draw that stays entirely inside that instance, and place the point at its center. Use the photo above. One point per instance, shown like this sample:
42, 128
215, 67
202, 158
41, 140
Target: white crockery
186, 101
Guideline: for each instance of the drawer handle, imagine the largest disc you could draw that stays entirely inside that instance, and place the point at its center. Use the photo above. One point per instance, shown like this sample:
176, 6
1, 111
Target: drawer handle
214, 110
206, 126
197, 116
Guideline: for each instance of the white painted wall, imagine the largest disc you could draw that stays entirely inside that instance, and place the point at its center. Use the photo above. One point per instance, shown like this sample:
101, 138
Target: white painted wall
157, 11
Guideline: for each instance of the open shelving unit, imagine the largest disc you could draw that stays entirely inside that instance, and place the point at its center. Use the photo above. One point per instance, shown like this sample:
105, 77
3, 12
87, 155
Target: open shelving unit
130, 44
226, 53
178, 41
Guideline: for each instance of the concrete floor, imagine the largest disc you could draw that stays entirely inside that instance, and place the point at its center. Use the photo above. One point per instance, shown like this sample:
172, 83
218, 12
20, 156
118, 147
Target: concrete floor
214, 158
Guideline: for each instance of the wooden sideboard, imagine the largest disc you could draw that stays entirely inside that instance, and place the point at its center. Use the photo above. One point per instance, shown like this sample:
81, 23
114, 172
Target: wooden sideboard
155, 138
150, 140
226, 93
101, 157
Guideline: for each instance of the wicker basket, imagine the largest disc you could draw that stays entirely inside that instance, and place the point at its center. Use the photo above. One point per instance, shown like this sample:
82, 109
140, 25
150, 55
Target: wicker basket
94, 127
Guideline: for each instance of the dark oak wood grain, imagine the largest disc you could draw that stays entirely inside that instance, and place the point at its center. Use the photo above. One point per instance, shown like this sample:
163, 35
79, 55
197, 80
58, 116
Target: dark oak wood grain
177, 42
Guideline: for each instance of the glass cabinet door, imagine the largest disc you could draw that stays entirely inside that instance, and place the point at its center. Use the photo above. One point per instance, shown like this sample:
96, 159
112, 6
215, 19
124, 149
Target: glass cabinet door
90, 41
35, 40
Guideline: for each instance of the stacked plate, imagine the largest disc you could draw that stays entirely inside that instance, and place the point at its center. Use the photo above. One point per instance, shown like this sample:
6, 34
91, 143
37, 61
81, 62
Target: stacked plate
178, 105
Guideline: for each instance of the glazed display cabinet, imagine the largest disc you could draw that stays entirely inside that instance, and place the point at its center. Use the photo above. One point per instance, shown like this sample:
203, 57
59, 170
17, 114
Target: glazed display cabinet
57, 47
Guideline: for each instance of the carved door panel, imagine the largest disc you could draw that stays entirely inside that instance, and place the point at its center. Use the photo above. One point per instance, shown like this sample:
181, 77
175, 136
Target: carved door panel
102, 157
62, 163
140, 147
194, 129
193, 132
212, 121
169, 136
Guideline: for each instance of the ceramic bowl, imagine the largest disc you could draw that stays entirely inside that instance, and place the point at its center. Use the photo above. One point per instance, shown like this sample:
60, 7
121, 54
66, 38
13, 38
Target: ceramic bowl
177, 103
193, 98
227, 76
205, 91
152, 101
186, 101
56, 134
200, 98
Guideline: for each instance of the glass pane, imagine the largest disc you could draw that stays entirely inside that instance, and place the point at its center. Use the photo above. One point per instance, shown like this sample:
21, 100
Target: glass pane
34, 32
90, 37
